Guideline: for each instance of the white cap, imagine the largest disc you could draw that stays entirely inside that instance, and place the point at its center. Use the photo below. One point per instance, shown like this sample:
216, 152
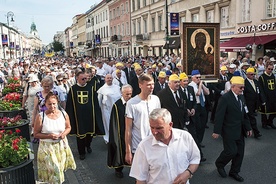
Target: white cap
232, 66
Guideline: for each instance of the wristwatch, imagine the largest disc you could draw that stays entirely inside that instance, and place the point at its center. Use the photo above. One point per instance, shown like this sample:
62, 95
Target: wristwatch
191, 173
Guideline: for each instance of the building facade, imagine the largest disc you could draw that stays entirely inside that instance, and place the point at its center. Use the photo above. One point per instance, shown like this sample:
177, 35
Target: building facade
119, 28
131, 27
16, 44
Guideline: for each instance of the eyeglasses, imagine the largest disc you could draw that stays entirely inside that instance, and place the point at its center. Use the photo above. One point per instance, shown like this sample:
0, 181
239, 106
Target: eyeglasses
84, 79
198, 77
251, 74
242, 87
269, 68
60, 80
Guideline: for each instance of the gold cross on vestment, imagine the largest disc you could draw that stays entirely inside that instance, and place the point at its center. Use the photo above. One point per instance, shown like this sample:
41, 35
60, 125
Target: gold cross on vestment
271, 84
82, 97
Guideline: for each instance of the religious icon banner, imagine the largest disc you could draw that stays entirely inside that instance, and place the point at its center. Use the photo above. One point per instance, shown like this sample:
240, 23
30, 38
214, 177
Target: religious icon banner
200, 50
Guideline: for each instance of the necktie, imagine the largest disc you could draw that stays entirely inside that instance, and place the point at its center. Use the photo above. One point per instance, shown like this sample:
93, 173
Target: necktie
185, 92
162, 86
202, 103
120, 82
239, 102
253, 84
178, 100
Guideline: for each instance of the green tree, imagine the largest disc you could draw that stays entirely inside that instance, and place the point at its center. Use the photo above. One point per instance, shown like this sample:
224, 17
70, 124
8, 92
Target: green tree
57, 46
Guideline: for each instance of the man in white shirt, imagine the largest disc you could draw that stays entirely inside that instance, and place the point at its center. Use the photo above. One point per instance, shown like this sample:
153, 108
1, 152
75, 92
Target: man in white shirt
167, 156
138, 109
200, 112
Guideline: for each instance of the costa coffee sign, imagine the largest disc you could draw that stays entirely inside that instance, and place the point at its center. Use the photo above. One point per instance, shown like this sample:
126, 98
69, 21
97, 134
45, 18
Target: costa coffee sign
256, 28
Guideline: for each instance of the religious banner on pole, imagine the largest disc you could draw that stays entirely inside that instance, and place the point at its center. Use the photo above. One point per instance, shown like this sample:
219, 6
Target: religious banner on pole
97, 39
174, 17
4, 40
11, 45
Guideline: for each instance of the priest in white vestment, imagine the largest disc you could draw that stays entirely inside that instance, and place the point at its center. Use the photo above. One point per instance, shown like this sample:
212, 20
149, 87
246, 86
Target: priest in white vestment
108, 94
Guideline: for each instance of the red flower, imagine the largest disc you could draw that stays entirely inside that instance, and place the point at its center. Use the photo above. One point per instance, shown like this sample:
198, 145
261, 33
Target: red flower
15, 147
10, 132
17, 130
10, 104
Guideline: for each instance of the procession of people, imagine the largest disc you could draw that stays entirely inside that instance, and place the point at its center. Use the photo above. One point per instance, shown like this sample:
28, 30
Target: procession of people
151, 115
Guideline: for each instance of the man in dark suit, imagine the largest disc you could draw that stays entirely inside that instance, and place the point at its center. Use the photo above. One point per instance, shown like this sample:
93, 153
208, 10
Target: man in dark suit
128, 71
219, 90
154, 73
134, 80
190, 99
160, 83
253, 97
173, 101
232, 123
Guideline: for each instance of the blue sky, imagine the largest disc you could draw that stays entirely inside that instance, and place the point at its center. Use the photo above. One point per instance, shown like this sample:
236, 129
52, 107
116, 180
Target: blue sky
49, 16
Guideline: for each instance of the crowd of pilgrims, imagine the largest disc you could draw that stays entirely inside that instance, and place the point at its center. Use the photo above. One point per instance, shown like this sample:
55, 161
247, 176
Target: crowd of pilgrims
39, 76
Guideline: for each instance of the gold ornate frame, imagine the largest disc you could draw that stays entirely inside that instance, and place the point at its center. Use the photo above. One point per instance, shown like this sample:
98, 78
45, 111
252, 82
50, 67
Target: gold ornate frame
204, 59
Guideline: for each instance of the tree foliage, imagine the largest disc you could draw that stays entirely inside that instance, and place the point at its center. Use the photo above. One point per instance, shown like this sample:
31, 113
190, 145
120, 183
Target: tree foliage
57, 46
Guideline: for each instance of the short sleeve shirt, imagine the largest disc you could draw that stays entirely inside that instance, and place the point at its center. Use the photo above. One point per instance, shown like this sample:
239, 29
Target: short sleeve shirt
138, 110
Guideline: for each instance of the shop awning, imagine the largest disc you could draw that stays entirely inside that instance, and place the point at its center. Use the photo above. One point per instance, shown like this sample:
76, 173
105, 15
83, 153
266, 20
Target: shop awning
239, 44
174, 43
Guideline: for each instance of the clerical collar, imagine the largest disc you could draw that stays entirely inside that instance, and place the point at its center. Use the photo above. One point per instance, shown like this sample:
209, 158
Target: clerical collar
268, 74
81, 85
123, 100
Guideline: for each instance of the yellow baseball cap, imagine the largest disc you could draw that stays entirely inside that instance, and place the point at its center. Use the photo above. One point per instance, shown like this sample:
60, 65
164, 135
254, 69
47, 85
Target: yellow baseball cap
162, 74
237, 80
173, 77
183, 76
250, 70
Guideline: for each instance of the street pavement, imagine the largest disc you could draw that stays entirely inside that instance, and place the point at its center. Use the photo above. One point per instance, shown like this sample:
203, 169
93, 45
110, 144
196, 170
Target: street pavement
258, 167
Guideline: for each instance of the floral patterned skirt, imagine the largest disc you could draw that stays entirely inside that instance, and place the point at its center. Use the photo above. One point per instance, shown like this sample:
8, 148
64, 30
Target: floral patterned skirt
53, 158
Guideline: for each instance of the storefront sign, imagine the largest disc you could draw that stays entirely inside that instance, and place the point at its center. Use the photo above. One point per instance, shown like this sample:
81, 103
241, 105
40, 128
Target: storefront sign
228, 33
256, 28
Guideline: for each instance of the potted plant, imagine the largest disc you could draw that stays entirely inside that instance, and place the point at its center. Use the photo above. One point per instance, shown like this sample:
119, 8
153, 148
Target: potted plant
10, 105
15, 165
8, 123
13, 85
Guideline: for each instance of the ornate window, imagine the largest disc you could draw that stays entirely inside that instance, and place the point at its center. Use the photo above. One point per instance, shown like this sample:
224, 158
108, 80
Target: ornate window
271, 8
210, 16
224, 16
246, 5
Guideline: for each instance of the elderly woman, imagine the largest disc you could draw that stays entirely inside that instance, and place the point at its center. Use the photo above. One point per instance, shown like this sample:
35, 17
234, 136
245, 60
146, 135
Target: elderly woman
54, 155
29, 94
47, 85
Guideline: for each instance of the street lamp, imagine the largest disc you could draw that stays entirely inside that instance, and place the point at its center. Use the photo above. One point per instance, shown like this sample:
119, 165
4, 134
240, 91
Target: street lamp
167, 25
10, 15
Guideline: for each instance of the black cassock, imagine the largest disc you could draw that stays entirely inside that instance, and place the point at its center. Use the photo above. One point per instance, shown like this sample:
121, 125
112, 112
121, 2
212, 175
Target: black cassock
116, 145
84, 111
